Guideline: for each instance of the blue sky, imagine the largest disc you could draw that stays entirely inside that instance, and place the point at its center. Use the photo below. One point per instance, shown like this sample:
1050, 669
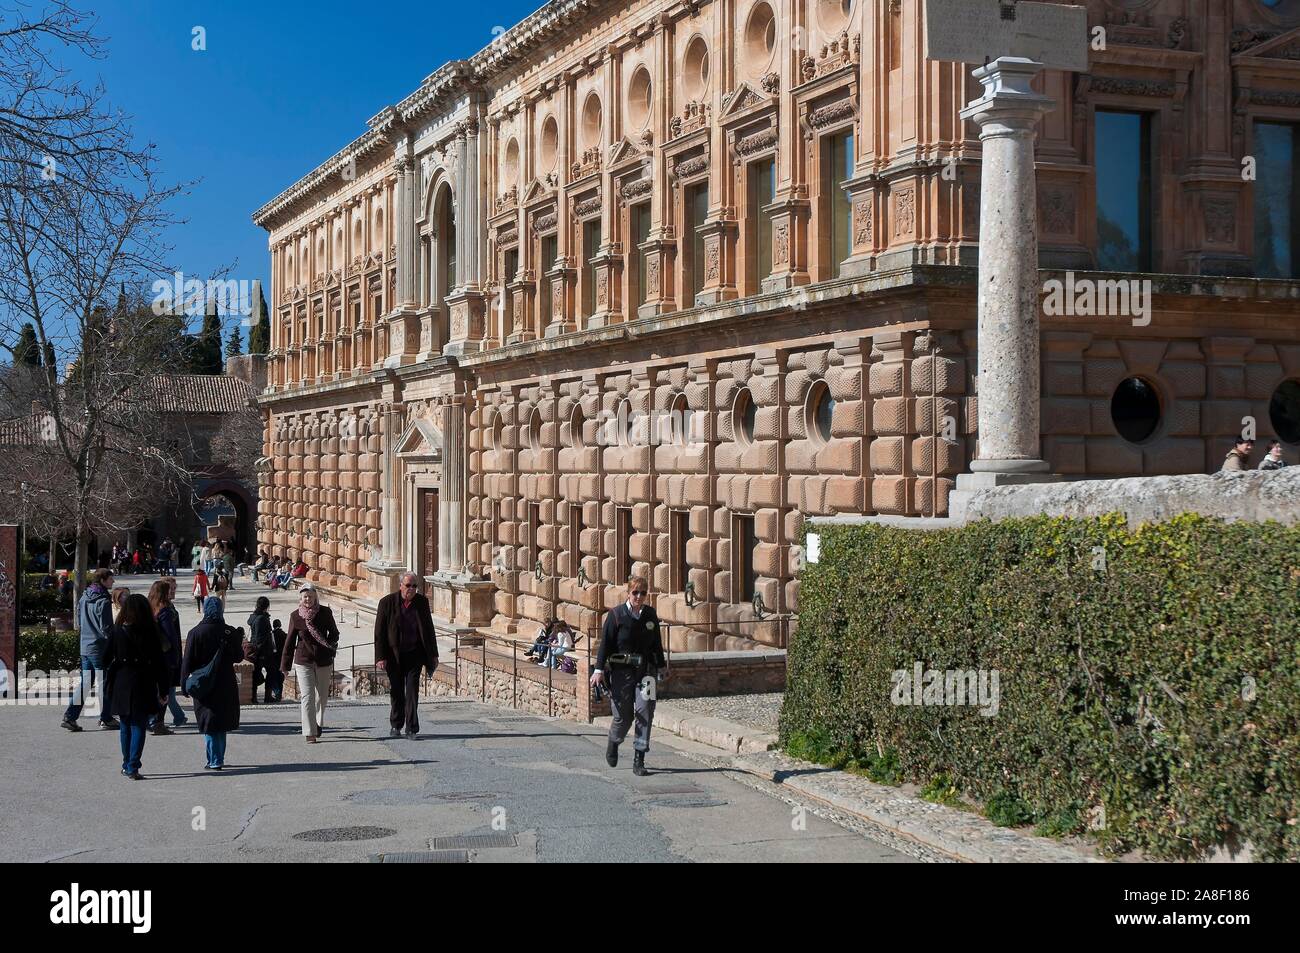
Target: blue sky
282, 86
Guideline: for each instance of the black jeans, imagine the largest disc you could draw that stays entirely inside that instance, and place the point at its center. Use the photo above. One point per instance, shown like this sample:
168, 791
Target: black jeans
404, 691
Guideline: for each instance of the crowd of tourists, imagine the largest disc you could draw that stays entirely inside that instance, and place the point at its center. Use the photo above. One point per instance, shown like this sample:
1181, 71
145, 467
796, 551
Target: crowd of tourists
133, 655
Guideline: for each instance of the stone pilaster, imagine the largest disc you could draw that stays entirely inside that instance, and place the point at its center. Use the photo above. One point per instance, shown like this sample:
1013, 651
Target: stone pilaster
719, 262
563, 281
789, 245
660, 252
608, 269
407, 187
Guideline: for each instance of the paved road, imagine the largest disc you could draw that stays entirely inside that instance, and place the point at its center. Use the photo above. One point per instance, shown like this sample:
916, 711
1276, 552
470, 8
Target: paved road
545, 782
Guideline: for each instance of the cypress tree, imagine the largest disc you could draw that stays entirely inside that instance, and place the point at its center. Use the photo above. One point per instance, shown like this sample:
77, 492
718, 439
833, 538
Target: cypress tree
234, 343
28, 351
209, 343
259, 338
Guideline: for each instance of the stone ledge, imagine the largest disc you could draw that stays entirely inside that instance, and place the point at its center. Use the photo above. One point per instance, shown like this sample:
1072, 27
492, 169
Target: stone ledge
756, 657
730, 736
964, 836
1254, 496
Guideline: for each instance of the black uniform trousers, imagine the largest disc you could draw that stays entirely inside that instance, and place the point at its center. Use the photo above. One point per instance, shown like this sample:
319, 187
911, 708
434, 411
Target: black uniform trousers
631, 703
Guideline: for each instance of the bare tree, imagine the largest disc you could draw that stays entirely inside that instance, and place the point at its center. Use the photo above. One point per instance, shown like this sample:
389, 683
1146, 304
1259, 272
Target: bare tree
80, 241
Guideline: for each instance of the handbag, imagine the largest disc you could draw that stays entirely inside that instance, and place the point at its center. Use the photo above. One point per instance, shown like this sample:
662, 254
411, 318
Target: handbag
200, 682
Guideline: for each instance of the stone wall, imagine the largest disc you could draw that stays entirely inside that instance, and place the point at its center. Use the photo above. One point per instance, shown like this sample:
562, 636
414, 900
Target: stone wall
696, 674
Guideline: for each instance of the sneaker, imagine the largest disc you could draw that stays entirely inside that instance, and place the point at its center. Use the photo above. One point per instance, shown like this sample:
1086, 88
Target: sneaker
111, 723
69, 724
312, 739
179, 724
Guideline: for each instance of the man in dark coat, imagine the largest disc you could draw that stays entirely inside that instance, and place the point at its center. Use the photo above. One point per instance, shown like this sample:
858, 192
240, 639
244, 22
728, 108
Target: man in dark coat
632, 652
217, 712
405, 643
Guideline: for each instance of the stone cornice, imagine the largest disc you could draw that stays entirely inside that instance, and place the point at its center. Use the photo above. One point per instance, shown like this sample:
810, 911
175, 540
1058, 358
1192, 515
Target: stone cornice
458, 76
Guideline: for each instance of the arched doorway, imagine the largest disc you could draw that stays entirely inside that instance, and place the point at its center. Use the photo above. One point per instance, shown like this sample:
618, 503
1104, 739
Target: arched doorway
215, 499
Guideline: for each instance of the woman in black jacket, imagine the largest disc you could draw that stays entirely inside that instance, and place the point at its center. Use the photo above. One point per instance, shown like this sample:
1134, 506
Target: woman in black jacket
137, 678
265, 662
217, 712
309, 647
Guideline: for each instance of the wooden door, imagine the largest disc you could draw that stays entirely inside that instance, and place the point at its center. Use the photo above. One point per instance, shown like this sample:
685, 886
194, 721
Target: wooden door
428, 515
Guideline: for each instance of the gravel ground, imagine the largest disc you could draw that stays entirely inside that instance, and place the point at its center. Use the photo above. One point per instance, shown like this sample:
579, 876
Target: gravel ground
755, 711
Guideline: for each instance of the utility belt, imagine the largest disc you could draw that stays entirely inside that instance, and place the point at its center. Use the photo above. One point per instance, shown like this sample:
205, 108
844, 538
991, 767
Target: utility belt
630, 659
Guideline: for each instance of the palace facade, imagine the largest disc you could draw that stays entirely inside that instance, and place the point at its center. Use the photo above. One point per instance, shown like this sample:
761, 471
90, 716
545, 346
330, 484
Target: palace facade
644, 283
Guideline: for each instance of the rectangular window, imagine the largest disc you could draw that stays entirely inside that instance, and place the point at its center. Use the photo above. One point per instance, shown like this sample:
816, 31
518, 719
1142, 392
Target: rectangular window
679, 534
590, 246
695, 210
1276, 193
544, 284
623, 537
838, 156
743, 579
640, 226
1123, 163
758, 223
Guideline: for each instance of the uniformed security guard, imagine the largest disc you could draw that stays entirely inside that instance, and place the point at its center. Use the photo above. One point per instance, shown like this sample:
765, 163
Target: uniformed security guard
632, 652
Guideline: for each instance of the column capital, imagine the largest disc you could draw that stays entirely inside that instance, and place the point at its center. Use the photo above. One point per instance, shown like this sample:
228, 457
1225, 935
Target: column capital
1009, 104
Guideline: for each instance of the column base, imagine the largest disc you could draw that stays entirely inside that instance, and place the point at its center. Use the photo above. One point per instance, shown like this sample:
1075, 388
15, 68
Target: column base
1008, 467
384, 574
968, 484
460, 600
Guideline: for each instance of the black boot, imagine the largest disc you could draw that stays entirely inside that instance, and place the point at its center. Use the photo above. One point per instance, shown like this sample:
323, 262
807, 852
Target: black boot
638, 764
611, 754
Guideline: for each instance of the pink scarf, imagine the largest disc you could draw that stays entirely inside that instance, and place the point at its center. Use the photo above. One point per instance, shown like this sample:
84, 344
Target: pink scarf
307, 615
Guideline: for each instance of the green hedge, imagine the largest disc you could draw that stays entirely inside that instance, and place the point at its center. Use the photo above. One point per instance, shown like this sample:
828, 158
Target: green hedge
38, 605
1154, 698
49, 651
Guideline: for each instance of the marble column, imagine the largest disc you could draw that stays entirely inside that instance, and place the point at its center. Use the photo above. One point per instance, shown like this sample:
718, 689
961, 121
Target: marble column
1009, 389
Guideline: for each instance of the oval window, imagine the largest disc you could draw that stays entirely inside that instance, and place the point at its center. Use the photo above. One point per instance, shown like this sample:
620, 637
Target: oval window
1284, 411
744, 416
535, 430
821, 411
1135, 409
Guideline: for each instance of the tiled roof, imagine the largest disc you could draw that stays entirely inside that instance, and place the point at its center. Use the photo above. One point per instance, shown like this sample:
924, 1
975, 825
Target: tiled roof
202, 394
173, 394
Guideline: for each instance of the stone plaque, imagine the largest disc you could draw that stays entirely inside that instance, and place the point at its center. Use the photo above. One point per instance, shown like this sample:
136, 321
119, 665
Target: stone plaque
977, 31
